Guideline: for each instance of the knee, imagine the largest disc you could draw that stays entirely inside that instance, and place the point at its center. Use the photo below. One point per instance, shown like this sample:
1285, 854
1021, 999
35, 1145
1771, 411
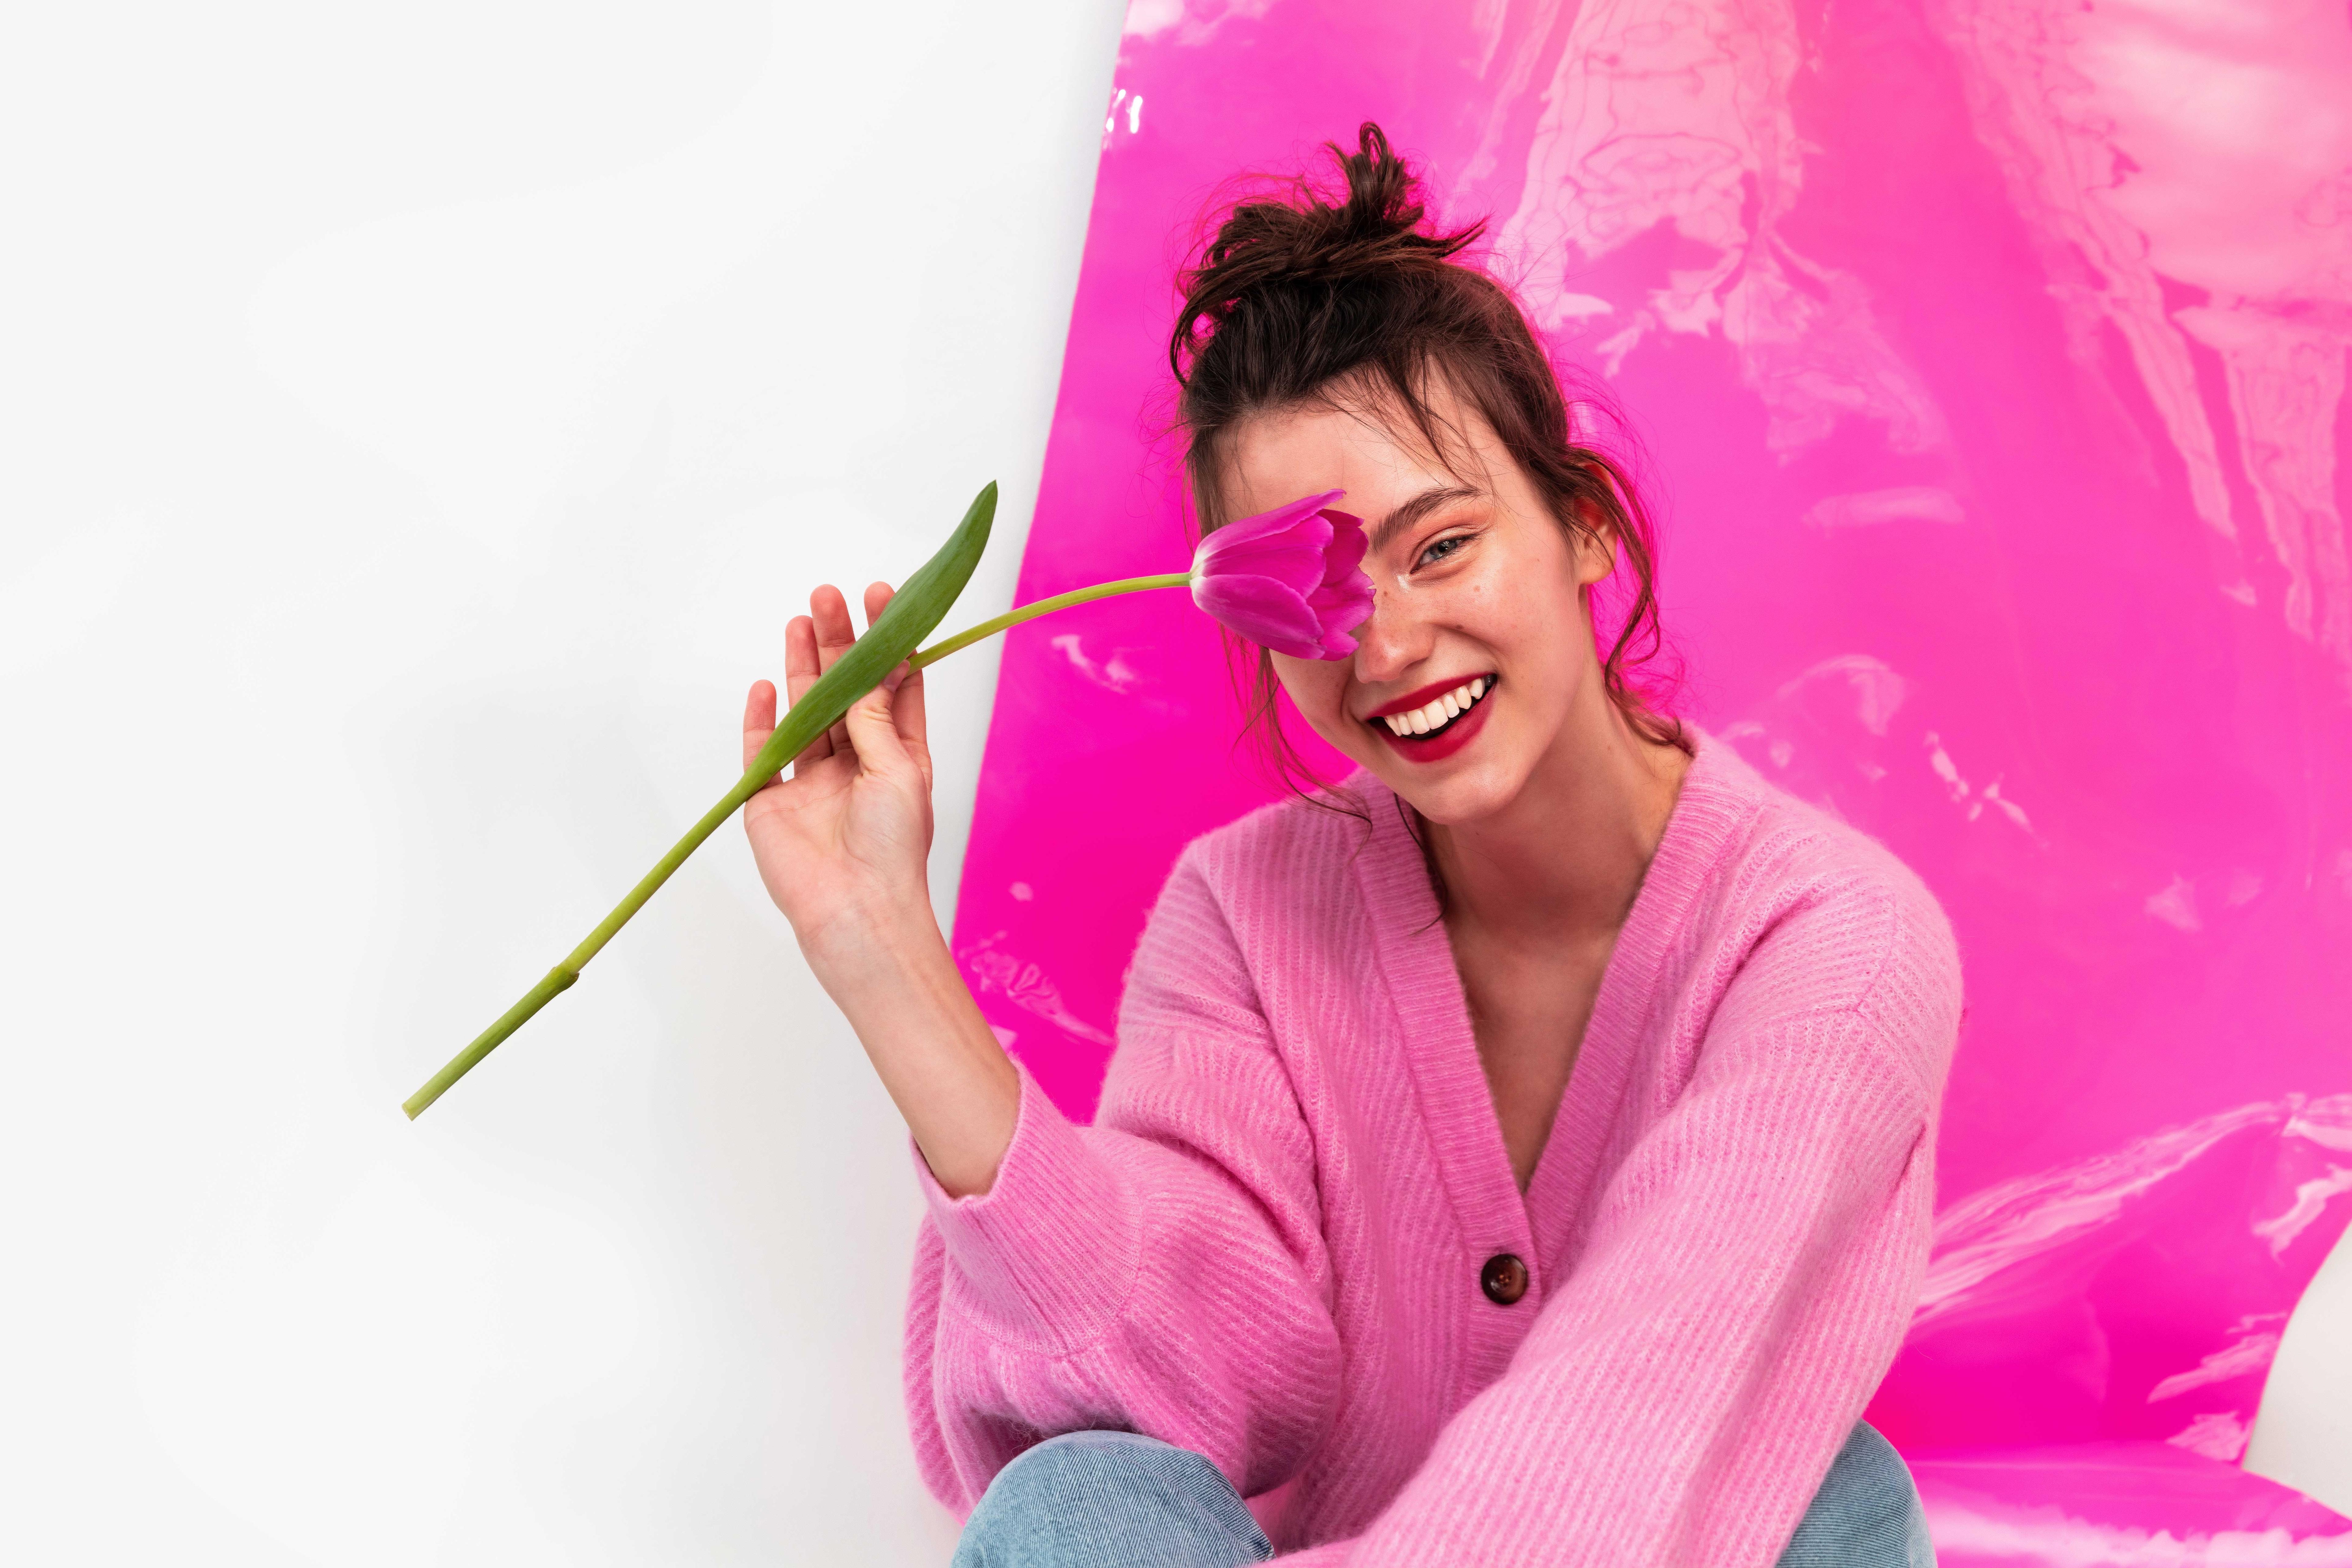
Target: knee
1087, 1498
1063, 1476
1869, 1470
1866, 1513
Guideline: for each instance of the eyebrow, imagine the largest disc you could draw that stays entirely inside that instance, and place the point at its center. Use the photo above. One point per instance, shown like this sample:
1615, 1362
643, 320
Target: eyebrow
1414, 511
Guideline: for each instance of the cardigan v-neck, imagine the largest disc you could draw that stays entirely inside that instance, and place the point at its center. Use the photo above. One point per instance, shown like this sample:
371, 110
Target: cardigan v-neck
1268, 1247
1425, 986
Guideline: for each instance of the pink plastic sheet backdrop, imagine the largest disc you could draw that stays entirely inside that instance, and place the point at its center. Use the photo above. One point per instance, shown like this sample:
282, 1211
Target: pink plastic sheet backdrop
1989, 359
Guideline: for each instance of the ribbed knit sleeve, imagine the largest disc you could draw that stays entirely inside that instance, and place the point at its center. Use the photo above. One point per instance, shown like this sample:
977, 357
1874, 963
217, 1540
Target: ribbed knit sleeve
1102, 1279
1751, 1265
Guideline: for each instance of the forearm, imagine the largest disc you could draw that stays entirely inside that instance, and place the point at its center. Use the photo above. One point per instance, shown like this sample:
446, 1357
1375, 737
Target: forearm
1094, 1286
899, 987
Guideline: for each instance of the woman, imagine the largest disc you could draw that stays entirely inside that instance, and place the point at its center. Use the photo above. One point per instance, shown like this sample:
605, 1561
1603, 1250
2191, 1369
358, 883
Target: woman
1523, 1154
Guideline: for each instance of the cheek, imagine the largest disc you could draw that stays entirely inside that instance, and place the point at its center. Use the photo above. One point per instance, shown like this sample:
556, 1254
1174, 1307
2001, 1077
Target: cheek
1315, 686
1532, 611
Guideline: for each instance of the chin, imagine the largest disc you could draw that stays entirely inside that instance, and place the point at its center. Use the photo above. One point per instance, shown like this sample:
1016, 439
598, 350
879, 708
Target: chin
1459, 796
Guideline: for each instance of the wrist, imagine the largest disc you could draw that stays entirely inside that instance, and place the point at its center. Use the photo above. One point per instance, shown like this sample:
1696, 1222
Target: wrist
881, 941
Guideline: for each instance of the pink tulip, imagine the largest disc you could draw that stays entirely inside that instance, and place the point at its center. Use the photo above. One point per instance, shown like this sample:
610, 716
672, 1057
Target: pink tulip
1291, 579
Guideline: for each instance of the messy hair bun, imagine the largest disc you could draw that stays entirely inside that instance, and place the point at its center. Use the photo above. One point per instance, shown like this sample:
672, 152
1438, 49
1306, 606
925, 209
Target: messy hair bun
1291, 257
1298, 298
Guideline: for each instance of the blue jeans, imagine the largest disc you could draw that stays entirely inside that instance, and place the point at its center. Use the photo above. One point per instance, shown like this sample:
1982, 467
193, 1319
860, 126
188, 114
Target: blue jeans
1114, 1500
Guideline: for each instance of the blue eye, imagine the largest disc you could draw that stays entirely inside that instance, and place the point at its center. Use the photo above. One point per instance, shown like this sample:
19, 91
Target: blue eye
1439, 549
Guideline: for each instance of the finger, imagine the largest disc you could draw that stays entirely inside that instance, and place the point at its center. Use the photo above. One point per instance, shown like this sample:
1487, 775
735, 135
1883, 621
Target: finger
800, 673
759, 721
834, 636
874, 736
921, 751
833, 632
907, 708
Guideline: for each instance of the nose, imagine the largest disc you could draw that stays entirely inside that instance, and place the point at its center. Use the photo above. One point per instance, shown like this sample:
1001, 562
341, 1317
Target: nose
1393, 640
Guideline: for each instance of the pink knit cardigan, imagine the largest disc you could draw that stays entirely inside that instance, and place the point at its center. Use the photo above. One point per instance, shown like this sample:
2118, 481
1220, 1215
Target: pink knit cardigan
1268, 1245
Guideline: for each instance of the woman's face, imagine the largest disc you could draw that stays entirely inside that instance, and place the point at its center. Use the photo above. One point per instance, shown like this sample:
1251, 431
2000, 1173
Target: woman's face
1478, 596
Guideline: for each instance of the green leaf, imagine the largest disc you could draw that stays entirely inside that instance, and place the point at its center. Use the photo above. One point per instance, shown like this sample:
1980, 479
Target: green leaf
913, 611
919, 607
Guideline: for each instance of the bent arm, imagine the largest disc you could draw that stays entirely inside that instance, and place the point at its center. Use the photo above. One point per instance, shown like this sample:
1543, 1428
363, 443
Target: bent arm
1068, 1278
843, 849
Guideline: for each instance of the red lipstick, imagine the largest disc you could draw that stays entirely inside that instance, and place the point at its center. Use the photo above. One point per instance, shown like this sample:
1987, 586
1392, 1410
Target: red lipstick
1448, 739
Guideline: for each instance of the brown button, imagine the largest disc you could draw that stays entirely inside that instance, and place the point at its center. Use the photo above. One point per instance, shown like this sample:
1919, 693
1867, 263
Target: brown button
1505, 1279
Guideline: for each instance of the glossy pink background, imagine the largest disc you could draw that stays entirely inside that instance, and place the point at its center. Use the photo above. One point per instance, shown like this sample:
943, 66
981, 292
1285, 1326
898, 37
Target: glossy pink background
1988, 363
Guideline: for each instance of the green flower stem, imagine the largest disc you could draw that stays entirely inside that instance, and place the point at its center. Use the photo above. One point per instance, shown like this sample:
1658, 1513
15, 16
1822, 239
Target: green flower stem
913, 611
1014, 617
562, 976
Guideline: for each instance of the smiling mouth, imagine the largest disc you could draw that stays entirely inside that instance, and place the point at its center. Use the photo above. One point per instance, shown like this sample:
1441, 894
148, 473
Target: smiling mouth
1439, 714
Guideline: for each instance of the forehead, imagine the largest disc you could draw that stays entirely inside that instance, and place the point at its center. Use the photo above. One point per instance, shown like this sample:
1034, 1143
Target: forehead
1368, 446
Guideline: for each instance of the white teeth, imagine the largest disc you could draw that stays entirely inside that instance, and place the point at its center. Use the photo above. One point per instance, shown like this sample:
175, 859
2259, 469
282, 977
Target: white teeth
1437, 714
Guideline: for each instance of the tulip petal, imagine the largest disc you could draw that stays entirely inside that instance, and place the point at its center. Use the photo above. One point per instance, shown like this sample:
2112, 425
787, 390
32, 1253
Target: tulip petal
1343, 559
1343, 600
1279, 520
1291, 579
1294, 556
1269, 613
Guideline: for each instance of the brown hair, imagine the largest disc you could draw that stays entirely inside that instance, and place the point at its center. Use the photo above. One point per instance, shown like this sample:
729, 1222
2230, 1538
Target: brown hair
1297, 300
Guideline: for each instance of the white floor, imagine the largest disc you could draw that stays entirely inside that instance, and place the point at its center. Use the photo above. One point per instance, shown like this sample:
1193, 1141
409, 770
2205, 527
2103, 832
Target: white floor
419, 424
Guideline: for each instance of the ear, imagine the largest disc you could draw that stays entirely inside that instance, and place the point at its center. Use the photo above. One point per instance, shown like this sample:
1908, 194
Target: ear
1595, 543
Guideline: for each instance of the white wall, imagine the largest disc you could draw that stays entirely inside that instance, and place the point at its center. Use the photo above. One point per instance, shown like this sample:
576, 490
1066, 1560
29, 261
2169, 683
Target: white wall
416, 424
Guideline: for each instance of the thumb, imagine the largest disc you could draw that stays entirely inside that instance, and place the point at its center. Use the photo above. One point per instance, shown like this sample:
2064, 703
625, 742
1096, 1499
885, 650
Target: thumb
874, 733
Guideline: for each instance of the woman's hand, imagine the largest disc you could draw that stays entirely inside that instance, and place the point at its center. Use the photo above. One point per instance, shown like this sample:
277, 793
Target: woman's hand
844, 845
